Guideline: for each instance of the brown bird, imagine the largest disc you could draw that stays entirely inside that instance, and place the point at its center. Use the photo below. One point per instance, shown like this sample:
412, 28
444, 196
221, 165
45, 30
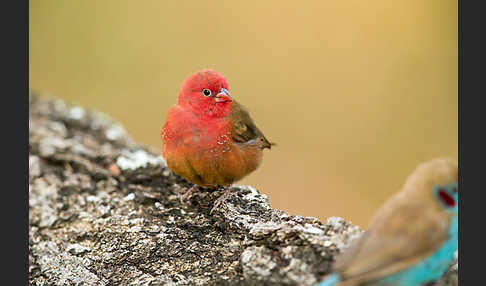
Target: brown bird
209, 138
412, 239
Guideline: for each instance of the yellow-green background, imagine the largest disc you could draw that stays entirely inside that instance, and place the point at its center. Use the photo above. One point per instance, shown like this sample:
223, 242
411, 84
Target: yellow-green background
355, 93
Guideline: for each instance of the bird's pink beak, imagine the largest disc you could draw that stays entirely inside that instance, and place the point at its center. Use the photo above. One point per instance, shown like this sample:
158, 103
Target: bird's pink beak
223, 96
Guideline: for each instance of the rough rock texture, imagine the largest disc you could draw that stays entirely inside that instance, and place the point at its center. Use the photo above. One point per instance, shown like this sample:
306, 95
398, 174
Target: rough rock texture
104, 210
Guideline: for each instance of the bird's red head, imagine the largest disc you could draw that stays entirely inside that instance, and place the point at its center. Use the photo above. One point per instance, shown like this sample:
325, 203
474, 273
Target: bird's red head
206, 93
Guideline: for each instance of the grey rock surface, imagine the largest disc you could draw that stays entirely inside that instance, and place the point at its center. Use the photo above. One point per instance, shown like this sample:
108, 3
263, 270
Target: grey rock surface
104, 210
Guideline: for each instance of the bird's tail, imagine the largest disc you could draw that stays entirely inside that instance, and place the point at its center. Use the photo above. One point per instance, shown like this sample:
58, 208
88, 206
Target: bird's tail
330, 280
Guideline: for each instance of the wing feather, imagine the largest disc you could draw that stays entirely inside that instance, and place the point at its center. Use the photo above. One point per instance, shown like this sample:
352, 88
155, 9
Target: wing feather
400, 235
243, 127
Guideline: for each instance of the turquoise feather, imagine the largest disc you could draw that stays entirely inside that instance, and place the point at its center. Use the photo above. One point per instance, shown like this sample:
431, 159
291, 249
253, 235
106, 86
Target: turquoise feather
330, 281
431, 268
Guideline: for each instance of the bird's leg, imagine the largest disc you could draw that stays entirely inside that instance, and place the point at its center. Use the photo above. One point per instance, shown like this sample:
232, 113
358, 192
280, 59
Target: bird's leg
189, 193
222, 198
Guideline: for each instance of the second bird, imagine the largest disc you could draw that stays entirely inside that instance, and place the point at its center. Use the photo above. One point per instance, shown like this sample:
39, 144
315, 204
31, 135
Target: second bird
412, 238
209, 138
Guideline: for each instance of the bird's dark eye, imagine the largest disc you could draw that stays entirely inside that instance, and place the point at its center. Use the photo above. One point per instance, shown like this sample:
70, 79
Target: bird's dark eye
206, 92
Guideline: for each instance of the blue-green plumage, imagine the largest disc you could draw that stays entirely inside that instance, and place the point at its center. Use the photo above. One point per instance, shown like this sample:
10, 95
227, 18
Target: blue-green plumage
330, 280
431, 268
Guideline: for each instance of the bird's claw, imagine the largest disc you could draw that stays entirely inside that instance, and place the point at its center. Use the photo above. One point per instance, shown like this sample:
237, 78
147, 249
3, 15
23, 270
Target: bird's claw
188, 193
221, 199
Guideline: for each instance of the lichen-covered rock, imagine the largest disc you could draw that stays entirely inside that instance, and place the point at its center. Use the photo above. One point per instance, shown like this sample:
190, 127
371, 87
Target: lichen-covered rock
106, 211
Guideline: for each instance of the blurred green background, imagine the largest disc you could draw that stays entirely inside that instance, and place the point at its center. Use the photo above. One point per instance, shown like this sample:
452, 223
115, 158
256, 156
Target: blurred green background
355, 93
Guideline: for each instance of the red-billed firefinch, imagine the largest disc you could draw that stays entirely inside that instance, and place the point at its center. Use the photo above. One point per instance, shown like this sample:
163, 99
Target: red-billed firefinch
209, 138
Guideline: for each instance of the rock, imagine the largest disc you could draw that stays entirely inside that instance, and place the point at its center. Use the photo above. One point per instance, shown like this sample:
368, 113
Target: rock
61, 268
106, 211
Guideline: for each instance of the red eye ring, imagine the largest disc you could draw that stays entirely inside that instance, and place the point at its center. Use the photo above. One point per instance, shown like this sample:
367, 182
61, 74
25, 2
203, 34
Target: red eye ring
446, 198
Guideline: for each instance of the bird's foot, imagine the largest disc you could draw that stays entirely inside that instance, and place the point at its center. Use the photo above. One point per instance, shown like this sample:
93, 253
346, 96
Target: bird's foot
221, 199
189, 193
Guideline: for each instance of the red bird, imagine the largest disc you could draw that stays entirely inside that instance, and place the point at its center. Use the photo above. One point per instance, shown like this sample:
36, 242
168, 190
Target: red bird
210, 139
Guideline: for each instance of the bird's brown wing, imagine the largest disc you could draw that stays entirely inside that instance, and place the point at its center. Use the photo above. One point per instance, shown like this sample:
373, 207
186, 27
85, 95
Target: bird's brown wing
243, 127
400, 235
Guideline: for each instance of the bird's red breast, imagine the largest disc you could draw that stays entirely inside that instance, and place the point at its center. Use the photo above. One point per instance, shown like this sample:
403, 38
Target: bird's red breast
208, 137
